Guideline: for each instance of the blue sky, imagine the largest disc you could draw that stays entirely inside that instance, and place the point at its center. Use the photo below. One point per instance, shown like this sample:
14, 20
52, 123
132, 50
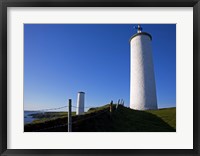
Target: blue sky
63, 59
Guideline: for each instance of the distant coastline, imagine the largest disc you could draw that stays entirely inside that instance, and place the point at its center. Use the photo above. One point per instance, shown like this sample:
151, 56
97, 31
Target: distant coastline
28, 118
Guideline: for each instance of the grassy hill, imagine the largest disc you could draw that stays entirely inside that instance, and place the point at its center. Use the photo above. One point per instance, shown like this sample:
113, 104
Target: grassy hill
99, 119
168, 115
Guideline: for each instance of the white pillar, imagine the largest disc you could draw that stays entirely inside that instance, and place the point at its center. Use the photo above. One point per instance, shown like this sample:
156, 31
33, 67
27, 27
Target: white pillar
142, 85
80, 103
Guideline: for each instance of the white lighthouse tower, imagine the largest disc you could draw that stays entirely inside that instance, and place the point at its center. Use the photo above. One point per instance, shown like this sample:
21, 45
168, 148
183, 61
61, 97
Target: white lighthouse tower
80, 103
142, 85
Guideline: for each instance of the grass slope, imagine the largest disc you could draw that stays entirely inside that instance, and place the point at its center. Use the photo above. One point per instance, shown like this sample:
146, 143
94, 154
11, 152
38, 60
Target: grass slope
100, 119
166, 114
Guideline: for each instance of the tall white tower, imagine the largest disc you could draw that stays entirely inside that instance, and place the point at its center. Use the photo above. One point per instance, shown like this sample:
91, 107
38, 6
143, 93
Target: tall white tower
142, 85
80, 103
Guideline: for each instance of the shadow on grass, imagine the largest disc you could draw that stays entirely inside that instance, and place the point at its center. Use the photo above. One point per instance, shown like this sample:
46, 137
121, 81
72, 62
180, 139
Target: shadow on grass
124, 120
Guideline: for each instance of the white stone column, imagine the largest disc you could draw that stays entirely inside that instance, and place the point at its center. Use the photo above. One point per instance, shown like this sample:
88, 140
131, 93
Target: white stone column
142, 85
80, 103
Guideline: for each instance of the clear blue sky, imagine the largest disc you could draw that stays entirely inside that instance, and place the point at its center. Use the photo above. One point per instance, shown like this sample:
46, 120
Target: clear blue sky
63, 59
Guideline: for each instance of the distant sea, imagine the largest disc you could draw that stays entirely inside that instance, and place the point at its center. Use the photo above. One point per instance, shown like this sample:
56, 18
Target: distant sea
27, 118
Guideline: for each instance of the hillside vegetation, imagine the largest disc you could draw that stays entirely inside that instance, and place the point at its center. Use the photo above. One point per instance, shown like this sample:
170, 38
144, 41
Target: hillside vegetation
100, 119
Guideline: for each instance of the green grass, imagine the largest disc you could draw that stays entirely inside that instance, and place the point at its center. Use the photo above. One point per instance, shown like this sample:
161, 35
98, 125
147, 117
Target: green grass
100, 119
167, 114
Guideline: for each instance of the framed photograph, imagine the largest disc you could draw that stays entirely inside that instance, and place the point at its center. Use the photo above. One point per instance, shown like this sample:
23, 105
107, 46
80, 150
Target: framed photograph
98, 77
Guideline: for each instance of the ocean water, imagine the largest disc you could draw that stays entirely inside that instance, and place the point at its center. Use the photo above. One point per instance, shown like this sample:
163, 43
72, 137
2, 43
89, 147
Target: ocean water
27, 118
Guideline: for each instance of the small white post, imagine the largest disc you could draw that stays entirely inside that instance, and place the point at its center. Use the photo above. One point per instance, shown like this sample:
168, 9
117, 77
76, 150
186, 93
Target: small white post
118, 103
111, 104
123, 103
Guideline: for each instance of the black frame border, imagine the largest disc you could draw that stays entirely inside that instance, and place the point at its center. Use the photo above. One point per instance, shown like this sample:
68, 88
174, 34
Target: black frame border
4, 4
